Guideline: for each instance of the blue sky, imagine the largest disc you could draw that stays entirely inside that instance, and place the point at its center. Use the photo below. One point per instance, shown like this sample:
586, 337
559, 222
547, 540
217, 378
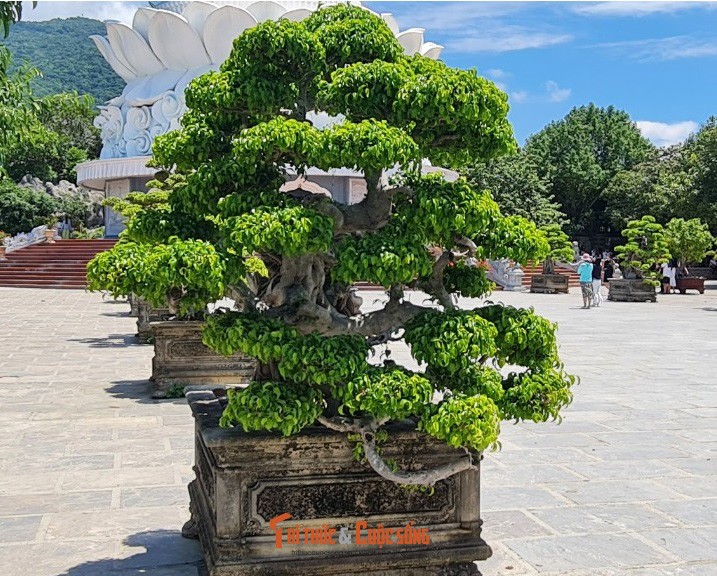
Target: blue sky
656, 60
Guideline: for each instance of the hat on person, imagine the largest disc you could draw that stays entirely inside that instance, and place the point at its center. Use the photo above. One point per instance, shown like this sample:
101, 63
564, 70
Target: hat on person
586, 257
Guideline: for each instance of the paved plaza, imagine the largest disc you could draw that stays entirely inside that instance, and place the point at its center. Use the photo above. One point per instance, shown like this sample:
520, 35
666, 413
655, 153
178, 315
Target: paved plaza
93, 473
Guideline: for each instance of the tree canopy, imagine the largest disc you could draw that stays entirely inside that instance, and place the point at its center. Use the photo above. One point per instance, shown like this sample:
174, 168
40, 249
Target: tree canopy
45, 137
519, 190
580, 154
219, 225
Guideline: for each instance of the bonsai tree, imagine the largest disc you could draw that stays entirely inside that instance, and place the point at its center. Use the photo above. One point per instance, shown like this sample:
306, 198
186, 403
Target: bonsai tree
220, 225
560, 247
688, 241
646, 247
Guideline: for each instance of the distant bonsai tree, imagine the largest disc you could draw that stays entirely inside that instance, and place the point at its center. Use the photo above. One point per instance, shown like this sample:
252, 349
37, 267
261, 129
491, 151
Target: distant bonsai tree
560, 247
220, 226
646, 247
689, 241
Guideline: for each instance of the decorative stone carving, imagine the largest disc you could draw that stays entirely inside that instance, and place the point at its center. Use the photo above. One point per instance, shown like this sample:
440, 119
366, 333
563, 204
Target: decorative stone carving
244, 480
182, 359
167, 47
549, 283
146, 314
631, 290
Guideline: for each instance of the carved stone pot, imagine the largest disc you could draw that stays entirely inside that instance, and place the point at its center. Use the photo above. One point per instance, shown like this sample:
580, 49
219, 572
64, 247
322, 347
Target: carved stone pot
133, 305
146, 314
549, 283
631, 290
691, 283
3, 250
50, 235
247, 483
182, 359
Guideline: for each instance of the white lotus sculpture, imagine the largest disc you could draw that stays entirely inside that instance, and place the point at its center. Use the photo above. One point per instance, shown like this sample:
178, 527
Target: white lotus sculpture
173, 42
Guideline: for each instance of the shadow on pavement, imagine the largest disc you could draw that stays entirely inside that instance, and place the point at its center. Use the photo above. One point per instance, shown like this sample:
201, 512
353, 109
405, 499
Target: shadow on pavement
110, 341
139, 390
162, 553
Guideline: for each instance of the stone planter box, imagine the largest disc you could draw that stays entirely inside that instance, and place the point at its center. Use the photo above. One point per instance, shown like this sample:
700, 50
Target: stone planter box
632, 290
691, 283
182, 359
133, 305
549, 283
146, 314
244, 480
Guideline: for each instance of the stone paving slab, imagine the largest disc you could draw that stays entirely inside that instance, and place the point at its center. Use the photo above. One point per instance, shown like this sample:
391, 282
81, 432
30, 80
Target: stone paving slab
93, 472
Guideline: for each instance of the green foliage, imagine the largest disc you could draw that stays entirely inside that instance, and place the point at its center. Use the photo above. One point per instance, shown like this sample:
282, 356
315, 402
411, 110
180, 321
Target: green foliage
43, 137
514, 183
221, 225
522, 337
187, 272
272, 407
701, 152
22, 209
468, 281
321, 360
561, 248
253, 334
68, 58
536, 396
289, 231
384, 258
451, 340
579, 155
646, 247
386, 393
465, 421
688, 240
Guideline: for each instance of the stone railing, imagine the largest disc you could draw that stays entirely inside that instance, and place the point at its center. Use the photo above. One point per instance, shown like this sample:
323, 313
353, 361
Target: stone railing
24, 239
506, 273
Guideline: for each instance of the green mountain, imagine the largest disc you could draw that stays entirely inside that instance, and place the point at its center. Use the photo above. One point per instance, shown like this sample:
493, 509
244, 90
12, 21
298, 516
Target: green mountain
67, 58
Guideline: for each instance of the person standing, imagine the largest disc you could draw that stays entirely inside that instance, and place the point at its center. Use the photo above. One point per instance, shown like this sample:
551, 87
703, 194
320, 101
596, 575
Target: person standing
669, 277
597, 281
585, 270
608, 271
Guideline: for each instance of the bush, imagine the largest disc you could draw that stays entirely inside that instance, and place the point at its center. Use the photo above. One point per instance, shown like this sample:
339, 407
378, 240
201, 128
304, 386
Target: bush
22, 209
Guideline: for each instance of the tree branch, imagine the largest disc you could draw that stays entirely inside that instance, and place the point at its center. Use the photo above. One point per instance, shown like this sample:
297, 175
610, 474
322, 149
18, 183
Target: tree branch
434, 285
422, 478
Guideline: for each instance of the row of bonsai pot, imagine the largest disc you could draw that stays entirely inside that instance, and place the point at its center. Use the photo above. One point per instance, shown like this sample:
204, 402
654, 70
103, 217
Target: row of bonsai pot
621, 289
262, 504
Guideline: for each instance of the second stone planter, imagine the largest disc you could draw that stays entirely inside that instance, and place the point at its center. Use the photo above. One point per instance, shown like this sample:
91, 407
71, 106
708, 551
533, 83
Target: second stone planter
549, 283
181, 359
631, 290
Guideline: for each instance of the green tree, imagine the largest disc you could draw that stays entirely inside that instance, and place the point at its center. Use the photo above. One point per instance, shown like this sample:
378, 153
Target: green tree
515, 185
10, 12
701, 152
580, 154
645, 248
220, 225
44, 137
21, 209
689, 241
662, 186
561, 248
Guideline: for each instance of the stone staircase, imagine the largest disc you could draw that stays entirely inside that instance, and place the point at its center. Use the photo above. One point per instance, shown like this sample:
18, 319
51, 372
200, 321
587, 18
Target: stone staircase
59, 265
532, 269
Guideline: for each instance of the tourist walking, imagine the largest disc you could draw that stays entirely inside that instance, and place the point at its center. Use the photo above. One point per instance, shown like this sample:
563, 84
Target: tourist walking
585, 270
597, 282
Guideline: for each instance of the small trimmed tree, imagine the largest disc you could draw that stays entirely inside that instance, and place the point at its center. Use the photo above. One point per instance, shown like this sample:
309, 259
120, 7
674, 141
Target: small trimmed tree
560, 247
220, 226
646, 247
689, 241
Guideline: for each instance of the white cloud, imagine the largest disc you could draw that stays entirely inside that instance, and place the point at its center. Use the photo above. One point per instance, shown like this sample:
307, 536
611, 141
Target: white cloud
637, 8
556, 93
519, 96
663, 49
49, 9
663, 134
505, 38
497, 73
